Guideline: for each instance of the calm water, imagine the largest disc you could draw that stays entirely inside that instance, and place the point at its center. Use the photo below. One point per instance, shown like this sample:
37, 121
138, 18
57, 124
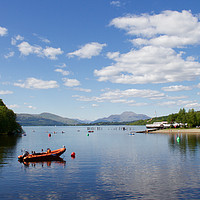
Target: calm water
109, 164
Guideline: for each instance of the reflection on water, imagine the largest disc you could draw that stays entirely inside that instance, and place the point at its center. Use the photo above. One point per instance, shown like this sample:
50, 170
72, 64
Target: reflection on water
59, 161
184, 142
7, 146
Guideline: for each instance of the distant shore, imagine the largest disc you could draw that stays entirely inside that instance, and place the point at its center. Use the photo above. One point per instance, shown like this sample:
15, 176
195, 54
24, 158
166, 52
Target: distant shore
192, 130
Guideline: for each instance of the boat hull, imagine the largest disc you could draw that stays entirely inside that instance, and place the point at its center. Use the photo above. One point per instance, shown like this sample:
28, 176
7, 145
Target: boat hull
46, 156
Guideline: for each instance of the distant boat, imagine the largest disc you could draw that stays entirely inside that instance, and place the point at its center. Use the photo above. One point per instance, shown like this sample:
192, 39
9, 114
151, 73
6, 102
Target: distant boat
132, 133
43, 156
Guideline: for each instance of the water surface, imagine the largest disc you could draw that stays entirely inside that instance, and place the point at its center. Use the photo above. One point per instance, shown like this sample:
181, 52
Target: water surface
109, 164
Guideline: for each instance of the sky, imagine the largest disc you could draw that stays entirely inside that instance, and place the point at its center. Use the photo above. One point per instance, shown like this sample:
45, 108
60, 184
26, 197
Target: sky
93, 58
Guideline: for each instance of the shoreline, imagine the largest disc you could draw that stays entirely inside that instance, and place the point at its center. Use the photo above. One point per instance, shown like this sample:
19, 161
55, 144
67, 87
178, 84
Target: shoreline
186, 131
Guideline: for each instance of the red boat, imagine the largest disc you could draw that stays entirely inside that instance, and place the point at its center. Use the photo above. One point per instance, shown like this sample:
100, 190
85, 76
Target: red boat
43, 156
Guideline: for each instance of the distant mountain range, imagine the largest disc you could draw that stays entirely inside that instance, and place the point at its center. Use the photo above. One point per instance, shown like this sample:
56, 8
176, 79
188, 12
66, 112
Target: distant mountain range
48, 119
124, 117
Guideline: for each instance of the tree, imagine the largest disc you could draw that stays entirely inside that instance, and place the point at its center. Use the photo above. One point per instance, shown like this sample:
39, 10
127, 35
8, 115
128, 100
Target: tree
191, 118
8, 122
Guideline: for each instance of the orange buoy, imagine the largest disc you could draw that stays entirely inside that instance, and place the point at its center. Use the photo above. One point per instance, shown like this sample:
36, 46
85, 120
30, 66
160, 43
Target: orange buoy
49, 135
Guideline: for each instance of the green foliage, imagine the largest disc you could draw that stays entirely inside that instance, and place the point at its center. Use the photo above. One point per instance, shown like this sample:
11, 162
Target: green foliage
191, 118
8, 122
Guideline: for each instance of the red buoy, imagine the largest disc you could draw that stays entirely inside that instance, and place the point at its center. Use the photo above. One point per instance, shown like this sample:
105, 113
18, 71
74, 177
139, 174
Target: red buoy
49, 135
73, 154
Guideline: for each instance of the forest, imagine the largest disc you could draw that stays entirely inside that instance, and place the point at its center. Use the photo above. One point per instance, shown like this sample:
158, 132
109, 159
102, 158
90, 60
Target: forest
8, 124
191, 118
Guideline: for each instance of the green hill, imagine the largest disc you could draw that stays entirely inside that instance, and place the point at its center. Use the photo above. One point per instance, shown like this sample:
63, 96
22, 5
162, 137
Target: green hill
44, 119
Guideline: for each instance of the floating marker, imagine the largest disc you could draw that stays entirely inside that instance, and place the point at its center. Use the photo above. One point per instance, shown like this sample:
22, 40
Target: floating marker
73, 154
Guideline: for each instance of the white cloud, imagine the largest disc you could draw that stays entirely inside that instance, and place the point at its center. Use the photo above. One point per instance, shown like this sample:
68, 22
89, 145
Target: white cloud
71, 82
115, 3
182, 103
13, 106
198, 85
139, 104
94, 105
88, 51
31, 107
10, 54
3, 92
16, 38
113, 55
123, 96
193, 105
82, 89
33, 83
169, 28
51, 52
143, 66
63, 65
25, 48
175, 88
155, 61
63, 72
3, 31
41, 38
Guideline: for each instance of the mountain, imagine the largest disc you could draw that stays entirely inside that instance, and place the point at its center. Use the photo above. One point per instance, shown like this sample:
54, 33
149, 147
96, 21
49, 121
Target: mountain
44, 119
48, 119
124, 117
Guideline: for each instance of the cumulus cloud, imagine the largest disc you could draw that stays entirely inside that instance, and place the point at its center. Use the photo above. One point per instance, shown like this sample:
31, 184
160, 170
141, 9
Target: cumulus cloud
10, 54
63, 65
149, 64
82, 89
45, 40
13, 106
33, 83
95, 105
115, 3
16, 38
198, 85
26, 49
51, 52
3, 31
182, 103
31, 107
175, 88
3, 92
123, 96
155, 61
71, 82
88, 51
169, 28
63, 72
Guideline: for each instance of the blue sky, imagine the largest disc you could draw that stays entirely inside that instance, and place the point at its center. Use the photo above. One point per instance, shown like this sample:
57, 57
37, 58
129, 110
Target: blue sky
90, 59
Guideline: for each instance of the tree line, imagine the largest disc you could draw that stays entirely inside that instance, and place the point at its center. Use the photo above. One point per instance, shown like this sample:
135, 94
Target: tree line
190, 118
8, 124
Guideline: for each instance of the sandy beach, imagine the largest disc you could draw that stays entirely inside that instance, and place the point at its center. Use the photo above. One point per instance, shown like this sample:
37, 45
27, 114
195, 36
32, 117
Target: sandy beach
186, 131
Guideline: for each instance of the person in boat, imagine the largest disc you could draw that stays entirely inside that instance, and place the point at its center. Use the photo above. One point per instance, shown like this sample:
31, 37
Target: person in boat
48, 150
26, 154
